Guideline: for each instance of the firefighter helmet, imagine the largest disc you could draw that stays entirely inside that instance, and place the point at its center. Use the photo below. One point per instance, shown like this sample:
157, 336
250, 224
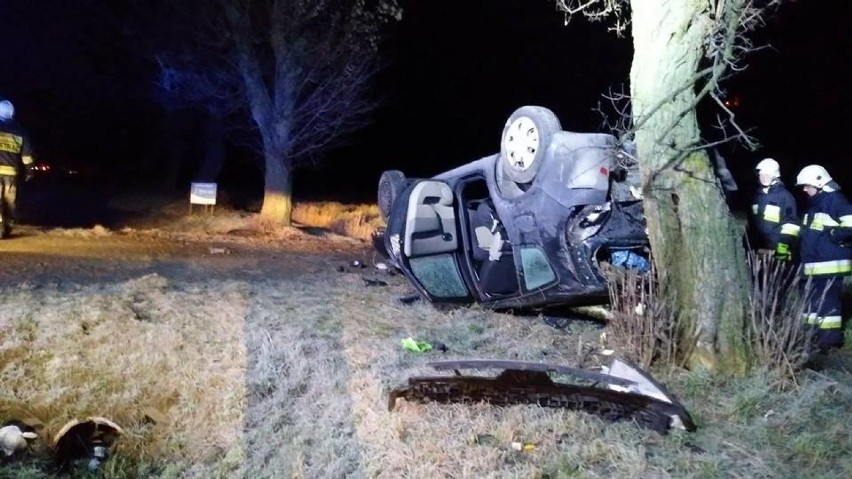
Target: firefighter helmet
769, 167
7, 110
813, 175
768, 172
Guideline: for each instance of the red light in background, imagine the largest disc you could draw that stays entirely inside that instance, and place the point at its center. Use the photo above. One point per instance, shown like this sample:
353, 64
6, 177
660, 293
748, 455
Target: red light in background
732, 102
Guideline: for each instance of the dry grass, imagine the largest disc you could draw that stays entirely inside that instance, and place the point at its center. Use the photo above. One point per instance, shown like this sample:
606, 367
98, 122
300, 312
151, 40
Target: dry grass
356, 221
779, 298
114, 351
289, 378
172, 214
644, 325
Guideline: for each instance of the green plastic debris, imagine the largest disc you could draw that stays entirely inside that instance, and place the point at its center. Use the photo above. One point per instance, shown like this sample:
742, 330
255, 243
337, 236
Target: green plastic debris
410, 344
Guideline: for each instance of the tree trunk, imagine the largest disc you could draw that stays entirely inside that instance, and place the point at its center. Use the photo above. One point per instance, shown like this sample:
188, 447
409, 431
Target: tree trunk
275, 128
278, 171
692, 233
278, 189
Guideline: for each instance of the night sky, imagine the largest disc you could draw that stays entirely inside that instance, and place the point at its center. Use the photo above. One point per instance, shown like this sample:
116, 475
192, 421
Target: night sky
455, 71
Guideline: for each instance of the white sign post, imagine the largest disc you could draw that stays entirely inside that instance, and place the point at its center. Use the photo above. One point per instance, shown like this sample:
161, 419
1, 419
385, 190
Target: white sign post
202, 194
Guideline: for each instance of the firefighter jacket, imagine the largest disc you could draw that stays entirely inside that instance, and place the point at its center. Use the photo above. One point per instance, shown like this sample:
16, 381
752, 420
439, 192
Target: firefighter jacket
15, 150
773, 207
823, 234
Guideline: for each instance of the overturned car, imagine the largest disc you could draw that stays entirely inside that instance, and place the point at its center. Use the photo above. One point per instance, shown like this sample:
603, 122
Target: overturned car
528, 227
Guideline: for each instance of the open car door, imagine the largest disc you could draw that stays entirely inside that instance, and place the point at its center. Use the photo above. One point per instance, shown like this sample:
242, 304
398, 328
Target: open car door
431, 241
430, 221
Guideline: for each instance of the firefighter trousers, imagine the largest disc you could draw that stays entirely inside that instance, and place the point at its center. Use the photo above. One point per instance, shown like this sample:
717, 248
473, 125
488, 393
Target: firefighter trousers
824, 310
8, 202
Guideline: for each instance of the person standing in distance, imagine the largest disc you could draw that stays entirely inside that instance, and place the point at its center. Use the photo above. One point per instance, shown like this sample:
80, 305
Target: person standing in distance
16, 159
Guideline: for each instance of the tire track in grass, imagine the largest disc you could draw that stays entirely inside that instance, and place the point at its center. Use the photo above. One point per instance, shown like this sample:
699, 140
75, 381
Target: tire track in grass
299, 420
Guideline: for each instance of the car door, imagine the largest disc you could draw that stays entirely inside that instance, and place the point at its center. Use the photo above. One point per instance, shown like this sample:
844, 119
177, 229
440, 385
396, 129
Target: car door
430, 242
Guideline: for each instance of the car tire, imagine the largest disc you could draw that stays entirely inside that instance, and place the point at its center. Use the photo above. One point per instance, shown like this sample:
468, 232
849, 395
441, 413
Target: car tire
526, 138
391, 184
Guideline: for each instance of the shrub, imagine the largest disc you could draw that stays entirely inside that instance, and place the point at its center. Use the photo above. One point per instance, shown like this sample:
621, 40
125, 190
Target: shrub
778, 301
644, 326
646, 329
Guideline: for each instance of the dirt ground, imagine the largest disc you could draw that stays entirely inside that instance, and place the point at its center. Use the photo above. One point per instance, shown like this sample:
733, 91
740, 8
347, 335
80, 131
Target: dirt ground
83, 256
87, 232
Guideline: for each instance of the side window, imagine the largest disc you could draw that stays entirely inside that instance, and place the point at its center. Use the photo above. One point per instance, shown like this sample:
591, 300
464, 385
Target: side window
439, 275
536, 268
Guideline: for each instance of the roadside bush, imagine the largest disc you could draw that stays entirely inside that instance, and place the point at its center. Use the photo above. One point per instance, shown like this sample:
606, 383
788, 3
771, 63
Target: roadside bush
778, 299
356, 221
645, 326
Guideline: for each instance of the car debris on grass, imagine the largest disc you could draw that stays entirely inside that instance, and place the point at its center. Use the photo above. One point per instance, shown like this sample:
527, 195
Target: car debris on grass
88, 441
621, 391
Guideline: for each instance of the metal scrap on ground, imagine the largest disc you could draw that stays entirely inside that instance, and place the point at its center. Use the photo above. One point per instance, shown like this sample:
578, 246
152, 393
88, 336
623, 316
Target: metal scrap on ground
87, 440
627, 392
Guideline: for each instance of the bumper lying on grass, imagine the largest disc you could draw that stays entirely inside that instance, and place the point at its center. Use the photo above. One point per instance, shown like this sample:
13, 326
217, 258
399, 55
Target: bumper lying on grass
628, 393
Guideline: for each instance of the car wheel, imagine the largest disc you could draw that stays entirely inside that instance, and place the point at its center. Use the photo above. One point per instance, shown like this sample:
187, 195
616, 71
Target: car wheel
391, 184
526, 138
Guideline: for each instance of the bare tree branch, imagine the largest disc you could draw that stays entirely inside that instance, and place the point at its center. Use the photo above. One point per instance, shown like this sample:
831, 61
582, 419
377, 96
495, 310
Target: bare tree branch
726, 45
302, 64
596, 11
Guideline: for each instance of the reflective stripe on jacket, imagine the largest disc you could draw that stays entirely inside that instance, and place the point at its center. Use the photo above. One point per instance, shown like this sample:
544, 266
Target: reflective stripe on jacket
824, 322
773, 207
15, 151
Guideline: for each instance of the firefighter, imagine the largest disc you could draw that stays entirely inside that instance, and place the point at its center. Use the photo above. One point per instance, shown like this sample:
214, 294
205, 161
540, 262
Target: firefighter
15, 159
824, 244
773, 206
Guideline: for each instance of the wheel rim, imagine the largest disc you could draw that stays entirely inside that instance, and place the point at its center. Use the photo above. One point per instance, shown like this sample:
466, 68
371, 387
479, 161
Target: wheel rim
388, 189
521, 143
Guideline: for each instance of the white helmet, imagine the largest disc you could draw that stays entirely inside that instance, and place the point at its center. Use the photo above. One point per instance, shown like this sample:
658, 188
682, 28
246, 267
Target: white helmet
769, 167
813, 175
7, 110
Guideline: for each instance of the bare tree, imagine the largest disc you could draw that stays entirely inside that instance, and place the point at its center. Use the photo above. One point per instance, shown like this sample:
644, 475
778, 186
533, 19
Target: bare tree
299, 69
683, 50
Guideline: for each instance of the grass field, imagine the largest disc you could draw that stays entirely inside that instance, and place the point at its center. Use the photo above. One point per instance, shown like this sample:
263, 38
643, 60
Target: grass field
289, 377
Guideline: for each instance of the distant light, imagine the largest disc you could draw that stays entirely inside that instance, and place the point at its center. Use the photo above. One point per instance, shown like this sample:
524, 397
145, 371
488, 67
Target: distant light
732, 102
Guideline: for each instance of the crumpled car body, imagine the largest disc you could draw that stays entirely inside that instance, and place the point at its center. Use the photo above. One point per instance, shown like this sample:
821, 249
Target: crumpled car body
530, 226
